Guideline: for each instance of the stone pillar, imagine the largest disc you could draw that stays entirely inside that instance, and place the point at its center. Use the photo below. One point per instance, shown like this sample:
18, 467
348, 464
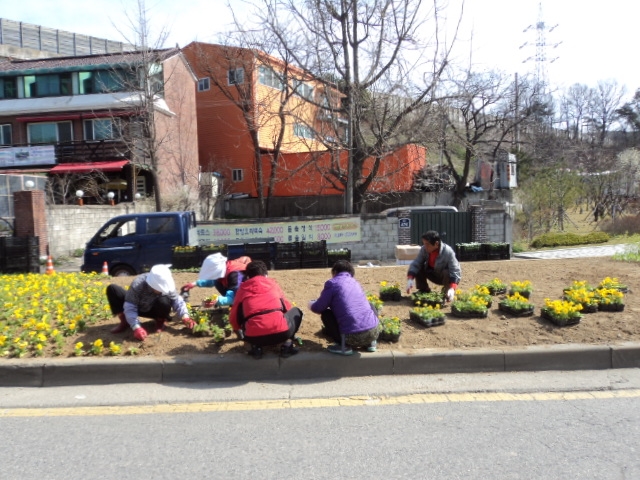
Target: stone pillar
30, 217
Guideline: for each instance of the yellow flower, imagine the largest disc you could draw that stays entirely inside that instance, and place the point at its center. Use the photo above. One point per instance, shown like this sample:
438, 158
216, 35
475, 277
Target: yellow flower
79, 345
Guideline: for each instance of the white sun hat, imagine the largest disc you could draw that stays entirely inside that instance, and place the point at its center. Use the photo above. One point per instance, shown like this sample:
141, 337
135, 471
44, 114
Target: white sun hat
160, 279
213, 267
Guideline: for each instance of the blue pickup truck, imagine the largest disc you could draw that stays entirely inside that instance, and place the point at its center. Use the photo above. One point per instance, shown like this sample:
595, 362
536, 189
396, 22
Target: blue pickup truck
131, 244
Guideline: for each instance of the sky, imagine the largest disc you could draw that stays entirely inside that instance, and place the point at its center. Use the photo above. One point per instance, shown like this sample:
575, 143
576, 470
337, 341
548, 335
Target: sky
586, 40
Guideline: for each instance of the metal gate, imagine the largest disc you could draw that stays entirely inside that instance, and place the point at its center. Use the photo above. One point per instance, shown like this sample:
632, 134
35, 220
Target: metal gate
454, 227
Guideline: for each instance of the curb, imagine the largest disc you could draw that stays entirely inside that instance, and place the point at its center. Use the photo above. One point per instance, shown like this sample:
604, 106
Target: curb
205, 368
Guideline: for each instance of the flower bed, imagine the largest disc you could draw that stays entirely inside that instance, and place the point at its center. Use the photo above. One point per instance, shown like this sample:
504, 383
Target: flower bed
39, 311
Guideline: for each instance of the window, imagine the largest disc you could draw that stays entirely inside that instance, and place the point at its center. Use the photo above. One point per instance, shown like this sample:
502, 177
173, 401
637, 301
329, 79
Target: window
101, 129
156, 79
235, 76
103, 81
162, 225
267, 76
301, 130
204, 84
303, 89
141, 186
53, 132
47, 85
5, 135
8, 88
236, 174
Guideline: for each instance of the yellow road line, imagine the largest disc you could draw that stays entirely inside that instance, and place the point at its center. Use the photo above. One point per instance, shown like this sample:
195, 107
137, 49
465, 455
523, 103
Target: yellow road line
355, 401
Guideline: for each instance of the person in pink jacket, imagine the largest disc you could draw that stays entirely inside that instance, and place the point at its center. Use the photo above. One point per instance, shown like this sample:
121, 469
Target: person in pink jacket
262, 314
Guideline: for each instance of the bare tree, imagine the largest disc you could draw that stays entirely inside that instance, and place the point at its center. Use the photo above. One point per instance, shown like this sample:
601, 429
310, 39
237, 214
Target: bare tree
158, 144
605, 102
375, 52
481, 115
574, 107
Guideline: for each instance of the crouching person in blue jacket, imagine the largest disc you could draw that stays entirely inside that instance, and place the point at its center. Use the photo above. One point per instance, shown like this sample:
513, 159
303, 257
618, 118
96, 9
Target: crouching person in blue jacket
347, 316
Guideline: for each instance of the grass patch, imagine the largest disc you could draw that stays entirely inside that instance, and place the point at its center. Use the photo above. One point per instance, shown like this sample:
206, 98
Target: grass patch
631, 255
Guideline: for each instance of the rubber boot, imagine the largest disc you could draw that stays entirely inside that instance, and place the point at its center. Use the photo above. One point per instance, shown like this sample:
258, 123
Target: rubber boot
160, 324
122, 326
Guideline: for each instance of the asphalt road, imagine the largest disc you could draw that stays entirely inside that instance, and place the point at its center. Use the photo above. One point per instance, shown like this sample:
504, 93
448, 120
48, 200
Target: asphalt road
480, 426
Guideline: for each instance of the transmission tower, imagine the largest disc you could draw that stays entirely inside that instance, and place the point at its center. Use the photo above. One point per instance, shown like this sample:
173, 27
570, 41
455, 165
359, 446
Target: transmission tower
541, 59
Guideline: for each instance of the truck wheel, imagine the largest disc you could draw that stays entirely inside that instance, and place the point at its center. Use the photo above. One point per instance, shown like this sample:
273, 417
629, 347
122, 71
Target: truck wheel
122, 271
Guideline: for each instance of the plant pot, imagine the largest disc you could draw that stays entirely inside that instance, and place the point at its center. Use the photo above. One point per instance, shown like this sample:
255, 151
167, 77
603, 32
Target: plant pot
206, 304
426, 322
559, 322
390, 296
517, 312
524, 293
461, 314
611, 307
389, 337
496, 291
589, 308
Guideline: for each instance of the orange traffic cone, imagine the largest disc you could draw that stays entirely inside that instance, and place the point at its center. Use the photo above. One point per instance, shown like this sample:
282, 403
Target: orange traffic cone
105, 269
49, 270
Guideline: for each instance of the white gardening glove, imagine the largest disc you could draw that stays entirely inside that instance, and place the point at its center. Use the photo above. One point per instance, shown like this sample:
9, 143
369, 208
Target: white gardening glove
451, 293
310, 304
411, 283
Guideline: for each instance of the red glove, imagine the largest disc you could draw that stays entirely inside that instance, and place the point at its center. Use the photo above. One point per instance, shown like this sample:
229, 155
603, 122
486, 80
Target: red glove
188, 322
140, 334
188, 286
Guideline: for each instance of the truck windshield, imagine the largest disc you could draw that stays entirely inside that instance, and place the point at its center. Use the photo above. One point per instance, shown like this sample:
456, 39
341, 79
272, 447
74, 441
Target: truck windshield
116, 229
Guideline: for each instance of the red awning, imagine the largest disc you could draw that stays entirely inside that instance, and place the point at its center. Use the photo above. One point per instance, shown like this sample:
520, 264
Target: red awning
88, 167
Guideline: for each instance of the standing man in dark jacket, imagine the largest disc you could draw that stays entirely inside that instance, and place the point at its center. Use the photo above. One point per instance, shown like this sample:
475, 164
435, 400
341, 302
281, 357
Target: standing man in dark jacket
437, 263
346, 314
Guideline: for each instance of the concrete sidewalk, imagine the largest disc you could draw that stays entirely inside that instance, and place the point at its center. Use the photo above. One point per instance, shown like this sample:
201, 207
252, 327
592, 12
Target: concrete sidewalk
212, 368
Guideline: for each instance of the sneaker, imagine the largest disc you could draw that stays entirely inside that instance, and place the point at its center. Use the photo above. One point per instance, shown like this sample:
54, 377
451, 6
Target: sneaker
337, 348
373, 346
255, 352
287, 350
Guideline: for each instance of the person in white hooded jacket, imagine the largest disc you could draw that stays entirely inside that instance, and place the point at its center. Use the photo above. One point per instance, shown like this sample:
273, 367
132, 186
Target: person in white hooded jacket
150, 295
225, 275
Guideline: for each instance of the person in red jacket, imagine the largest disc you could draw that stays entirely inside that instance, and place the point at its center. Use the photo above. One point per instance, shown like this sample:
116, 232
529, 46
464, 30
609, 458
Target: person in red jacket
262, 314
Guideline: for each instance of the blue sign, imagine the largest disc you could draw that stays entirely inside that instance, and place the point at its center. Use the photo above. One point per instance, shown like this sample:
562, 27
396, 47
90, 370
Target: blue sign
404, 222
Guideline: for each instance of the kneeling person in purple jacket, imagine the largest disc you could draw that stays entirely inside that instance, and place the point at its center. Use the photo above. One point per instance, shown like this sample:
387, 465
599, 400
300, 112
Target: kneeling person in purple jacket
346, 314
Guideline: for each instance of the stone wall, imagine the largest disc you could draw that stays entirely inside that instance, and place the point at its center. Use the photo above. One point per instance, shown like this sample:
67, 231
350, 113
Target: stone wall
71, 226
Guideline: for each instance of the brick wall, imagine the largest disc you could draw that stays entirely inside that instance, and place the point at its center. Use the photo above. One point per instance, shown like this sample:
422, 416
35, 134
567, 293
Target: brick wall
30, 217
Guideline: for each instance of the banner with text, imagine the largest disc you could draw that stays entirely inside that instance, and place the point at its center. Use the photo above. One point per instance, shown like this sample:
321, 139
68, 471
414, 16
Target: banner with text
332, 230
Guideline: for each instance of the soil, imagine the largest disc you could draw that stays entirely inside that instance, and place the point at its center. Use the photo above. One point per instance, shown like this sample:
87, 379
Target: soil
497, 330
